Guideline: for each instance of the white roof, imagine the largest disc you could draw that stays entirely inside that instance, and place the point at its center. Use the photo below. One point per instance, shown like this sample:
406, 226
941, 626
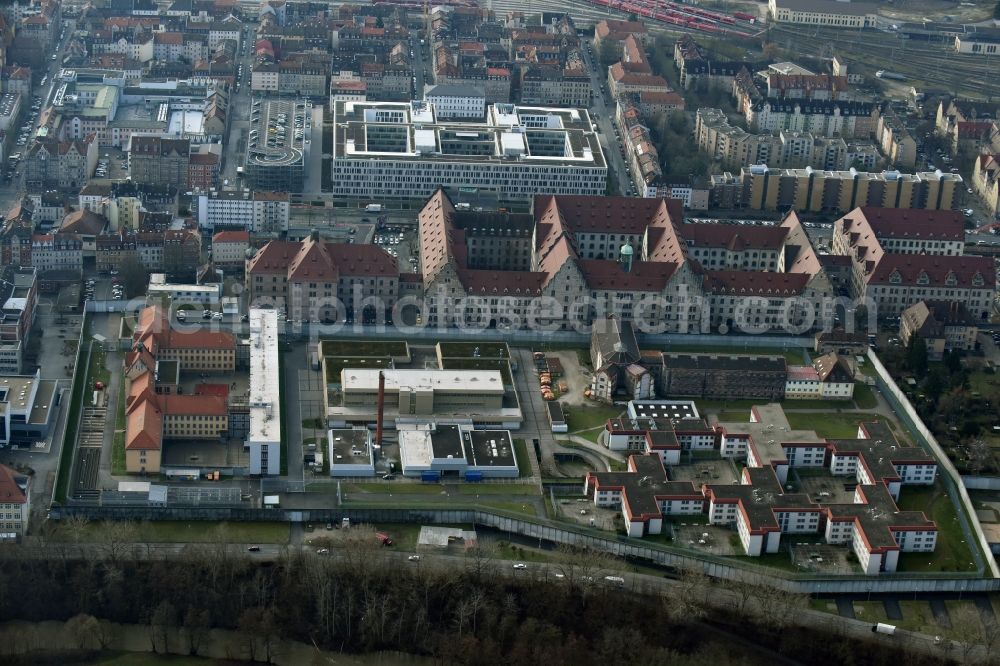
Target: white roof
265, 409
362, 379
187, 121
134, 486
415, 449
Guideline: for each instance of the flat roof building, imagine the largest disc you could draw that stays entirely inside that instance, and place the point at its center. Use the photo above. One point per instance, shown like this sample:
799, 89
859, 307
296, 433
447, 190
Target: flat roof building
416, 396
351, 452
404, 150
264, 439
434, 450
27, 403
206, 294
278, 144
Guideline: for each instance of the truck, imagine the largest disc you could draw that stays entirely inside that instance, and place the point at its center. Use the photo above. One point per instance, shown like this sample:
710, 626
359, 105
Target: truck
894, 76
373, 208
883, 628
383, 538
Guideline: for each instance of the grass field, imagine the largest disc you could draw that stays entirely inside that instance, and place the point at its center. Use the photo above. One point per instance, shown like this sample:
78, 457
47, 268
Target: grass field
118, 441
952, 553
864, 397
515, 507
467, 349
177, 531
498, 489
521, 455
832, 425
589, 416
393, 488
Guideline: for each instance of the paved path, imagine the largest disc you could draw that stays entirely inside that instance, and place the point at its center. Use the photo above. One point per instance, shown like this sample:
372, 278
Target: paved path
536, 421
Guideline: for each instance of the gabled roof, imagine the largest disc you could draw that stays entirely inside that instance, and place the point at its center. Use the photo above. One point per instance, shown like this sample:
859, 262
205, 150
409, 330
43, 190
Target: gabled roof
733, 236
762, 283
832, 368
13, 486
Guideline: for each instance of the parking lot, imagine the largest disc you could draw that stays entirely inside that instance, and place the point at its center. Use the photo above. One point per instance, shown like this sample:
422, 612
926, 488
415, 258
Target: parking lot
402, 245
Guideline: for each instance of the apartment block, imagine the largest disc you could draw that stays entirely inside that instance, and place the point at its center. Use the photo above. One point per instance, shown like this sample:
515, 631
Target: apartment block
259, 212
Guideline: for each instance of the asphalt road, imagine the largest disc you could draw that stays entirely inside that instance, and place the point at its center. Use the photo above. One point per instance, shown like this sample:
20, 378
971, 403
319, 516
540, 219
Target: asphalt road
604, 107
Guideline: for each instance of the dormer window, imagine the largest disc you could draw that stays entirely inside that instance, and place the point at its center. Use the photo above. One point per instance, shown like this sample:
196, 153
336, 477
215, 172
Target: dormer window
977, 280
923, 278
951, 280
895, 277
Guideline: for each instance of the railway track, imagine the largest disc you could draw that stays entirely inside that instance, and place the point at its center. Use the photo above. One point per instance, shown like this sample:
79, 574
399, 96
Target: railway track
923, 62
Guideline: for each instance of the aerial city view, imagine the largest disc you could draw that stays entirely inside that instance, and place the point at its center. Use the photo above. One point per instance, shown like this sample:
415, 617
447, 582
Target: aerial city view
398, 332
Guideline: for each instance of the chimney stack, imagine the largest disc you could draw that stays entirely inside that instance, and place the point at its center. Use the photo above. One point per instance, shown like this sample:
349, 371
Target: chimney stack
381, 409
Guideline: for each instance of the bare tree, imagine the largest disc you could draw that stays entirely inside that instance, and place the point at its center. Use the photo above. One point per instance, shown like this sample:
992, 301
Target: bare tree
117, 538
690, 599
105, 634
481, 559
84, 629
162, 622
580, 564
196, 627
980, 455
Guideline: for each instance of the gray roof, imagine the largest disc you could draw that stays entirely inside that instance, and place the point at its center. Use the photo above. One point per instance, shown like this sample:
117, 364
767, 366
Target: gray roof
616, 340
454, 90
723, 362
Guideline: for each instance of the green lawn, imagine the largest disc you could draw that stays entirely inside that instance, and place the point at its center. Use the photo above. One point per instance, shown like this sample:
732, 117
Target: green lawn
357, 348
118, 441
394, 488
178, 531
467, 349
871, 611
590, 416
97, 373
792, 356
864, 397
951, 553
592, 435
832, 425
522, 456
498, 489
515, 507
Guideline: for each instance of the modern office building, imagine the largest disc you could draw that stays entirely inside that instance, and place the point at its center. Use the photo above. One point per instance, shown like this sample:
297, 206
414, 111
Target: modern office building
278, 144
259, 212
27, 403
264, 439
405, 151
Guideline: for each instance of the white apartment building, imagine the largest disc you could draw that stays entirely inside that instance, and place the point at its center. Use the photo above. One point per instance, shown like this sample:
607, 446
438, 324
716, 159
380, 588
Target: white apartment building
257, 212
203, 294
402, 150
457, 102
264, 439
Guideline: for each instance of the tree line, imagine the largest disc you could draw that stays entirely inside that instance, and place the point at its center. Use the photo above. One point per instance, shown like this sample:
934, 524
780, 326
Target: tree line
361, 599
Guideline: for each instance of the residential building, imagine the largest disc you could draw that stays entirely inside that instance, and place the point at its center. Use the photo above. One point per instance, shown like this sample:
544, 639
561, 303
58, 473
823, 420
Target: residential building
825, 13
516, 153
159, 161
457, 101
259, 212
900, 258
894, 139
969, 124
311, 277
829, 377
57, 252
178, 294
63, 164
15, 504
942, 325
198, 351
986, 181
618, 31
264, 438
622, 81
837, 116
229, 250
814, 190
551, 86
